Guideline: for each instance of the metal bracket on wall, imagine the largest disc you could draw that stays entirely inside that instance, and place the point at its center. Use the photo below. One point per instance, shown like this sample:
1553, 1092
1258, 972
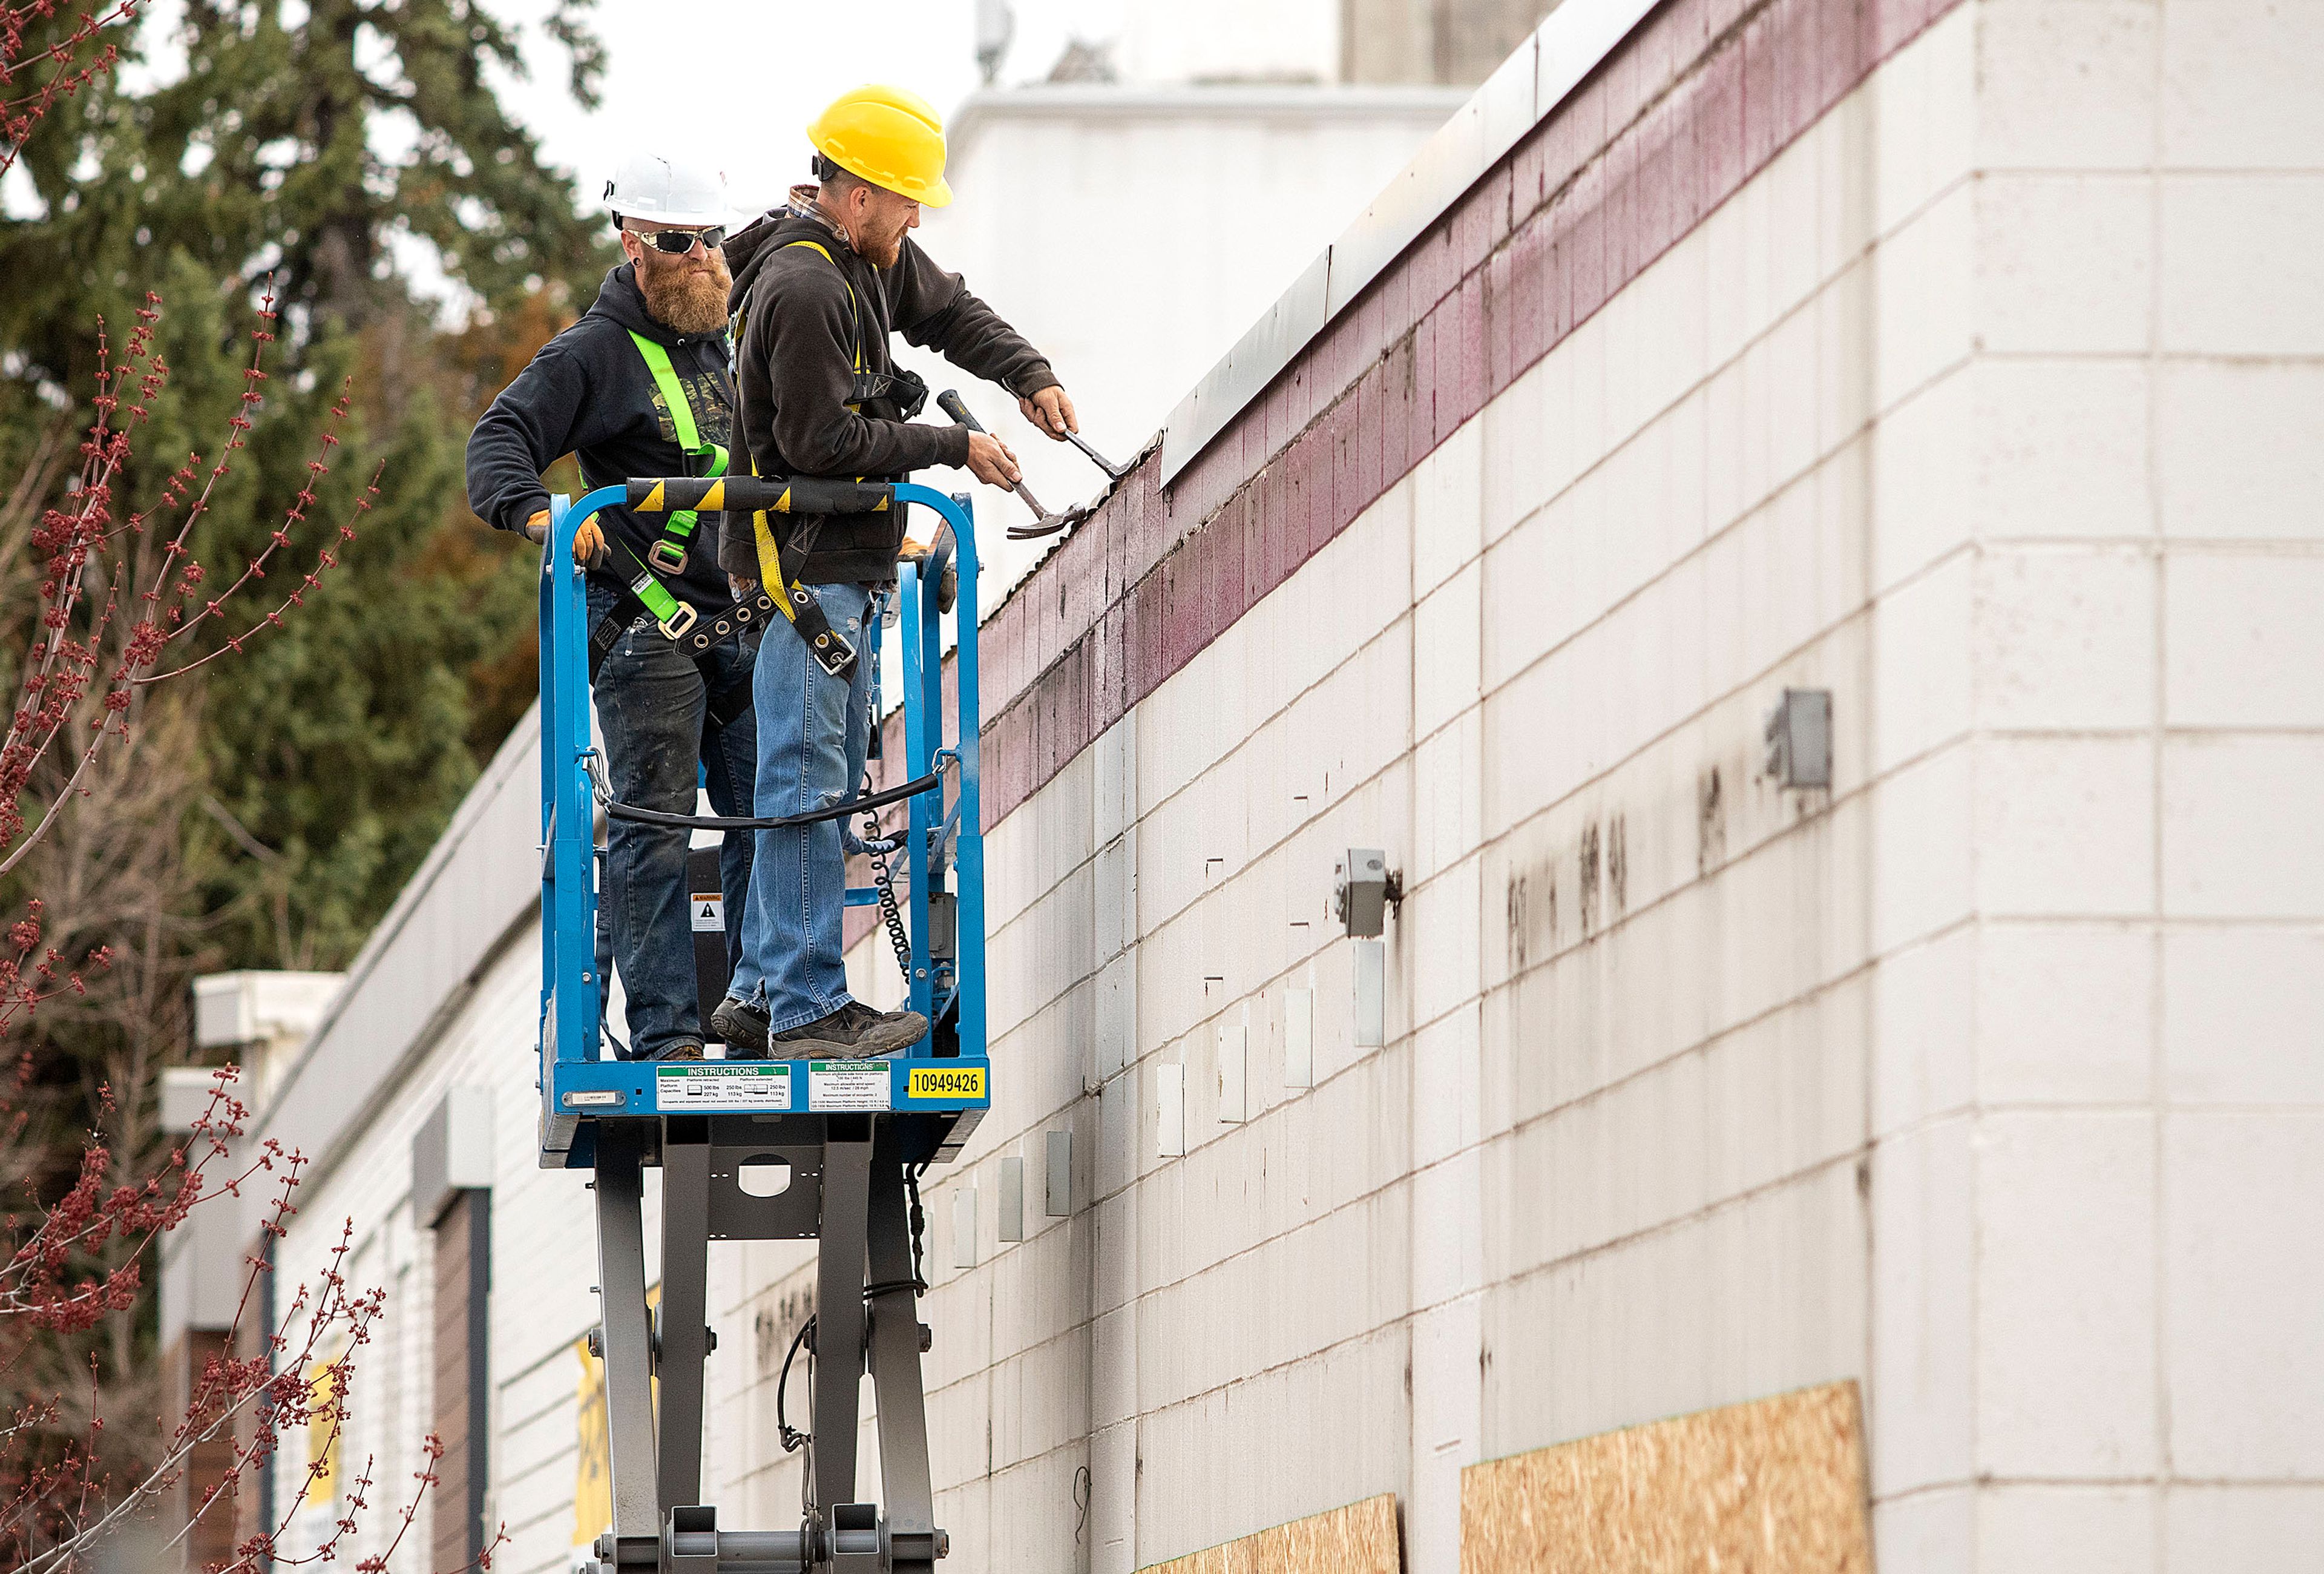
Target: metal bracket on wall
1798, 740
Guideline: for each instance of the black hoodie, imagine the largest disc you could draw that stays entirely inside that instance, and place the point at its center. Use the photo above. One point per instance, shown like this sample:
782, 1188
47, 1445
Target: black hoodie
588, 393
794, 363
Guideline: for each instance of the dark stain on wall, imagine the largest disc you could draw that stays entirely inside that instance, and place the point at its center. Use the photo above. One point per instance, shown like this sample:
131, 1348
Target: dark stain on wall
1518, 950
1592, 899
1709, 822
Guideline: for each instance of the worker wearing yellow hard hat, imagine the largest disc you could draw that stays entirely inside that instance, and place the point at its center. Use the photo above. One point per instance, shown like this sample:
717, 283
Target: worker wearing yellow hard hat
888, 137
821, 286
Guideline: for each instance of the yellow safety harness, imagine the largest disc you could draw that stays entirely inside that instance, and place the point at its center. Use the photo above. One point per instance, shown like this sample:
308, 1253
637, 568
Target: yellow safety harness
797, 603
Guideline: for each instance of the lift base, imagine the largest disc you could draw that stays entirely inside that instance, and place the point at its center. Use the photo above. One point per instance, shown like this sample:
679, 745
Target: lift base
844, 1187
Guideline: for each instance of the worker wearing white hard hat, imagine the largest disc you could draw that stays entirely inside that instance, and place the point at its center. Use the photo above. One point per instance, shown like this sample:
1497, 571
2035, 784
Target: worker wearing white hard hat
653, 191
642, 385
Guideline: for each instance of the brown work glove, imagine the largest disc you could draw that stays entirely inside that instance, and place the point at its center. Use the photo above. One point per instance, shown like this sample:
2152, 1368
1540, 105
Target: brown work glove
588, 540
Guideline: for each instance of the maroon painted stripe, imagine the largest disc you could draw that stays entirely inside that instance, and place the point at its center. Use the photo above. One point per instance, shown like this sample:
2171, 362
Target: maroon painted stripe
1696, 101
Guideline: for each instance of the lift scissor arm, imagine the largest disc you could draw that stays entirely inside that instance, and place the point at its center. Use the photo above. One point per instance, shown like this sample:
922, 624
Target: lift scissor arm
854, 1133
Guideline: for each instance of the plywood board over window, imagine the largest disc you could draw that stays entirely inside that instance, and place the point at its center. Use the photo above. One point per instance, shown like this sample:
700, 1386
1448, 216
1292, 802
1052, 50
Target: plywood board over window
1773, 1484
1360, 1538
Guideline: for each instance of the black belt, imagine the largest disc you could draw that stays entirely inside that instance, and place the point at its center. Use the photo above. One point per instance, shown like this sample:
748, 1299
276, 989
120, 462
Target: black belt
700, 636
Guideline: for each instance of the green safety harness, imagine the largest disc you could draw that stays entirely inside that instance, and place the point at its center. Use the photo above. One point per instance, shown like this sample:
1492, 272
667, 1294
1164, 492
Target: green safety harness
668, 553
678, 621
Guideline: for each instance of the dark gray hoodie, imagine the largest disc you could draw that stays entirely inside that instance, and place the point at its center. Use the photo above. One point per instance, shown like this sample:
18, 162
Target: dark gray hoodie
794, 370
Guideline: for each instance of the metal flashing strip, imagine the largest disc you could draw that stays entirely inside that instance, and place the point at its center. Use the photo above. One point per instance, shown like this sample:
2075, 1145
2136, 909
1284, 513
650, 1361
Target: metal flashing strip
1247, 100
1520, 94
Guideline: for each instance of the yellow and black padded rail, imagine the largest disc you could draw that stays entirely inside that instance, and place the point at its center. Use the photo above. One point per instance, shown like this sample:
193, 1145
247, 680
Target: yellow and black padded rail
753, 495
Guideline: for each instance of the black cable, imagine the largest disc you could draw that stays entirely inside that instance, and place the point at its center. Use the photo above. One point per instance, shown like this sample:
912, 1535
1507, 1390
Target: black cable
613, 810
876, 849
793, 1439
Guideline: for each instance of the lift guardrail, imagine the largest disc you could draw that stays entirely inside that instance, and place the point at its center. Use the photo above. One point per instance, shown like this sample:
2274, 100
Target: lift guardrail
852, 1135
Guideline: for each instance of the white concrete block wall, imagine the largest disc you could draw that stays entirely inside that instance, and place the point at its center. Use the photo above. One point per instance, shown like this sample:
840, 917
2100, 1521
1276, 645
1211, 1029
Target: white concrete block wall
2096, 504
1987, 1077
1895, 1083
544, 1265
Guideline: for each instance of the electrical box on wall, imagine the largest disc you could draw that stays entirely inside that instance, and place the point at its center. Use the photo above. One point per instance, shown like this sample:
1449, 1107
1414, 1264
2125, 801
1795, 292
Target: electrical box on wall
452, 1152
1012, 1198
1371, 994
1298, 1038
964, 1228
1798, 740
1362, 889
1169, 1111
1234, 1068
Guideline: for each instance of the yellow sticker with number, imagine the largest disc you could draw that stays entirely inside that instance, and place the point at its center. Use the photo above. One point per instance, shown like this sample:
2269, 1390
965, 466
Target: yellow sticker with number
946, 1082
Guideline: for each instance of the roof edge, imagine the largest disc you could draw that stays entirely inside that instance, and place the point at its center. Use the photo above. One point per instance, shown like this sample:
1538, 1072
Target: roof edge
1089, 100
1524, 90
523, 740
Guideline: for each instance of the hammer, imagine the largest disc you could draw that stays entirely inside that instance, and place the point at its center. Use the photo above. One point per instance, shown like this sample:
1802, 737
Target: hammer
1044, 521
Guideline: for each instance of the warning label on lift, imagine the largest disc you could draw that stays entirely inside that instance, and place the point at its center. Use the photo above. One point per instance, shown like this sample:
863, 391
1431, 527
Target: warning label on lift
847, 1084
710, 911
946, 1082
722, 1085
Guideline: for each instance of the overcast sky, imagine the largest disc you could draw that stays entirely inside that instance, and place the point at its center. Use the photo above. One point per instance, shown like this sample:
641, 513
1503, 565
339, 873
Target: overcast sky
734, 81
737, 81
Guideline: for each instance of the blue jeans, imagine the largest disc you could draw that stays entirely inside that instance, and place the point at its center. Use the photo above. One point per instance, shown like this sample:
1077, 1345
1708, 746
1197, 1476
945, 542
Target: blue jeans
813, 731
653, 710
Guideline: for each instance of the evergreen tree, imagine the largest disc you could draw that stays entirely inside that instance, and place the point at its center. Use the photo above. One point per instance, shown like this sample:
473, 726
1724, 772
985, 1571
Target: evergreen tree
280, 796
311, 150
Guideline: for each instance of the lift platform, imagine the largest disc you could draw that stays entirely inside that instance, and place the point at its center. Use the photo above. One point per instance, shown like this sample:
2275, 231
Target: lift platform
852, 1135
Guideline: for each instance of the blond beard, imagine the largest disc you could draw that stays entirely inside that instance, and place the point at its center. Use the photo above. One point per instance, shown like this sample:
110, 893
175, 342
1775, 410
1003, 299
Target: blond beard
877, 251
681, 297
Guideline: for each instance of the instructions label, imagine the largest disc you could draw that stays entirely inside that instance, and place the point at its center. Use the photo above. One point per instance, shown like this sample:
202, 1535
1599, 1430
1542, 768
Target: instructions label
724, 1085
945, 1082
709, 912
847, 1084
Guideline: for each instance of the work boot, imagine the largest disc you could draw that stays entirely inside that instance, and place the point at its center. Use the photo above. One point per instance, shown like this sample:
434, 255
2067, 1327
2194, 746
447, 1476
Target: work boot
853, 1032
742, 1027
684, 1050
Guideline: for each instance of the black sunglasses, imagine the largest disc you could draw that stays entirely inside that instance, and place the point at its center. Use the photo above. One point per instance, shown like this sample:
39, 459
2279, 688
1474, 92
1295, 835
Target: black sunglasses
676, 243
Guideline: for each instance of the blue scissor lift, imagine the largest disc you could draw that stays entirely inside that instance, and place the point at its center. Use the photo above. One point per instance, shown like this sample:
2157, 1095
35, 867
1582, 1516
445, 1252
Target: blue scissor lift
853, 1135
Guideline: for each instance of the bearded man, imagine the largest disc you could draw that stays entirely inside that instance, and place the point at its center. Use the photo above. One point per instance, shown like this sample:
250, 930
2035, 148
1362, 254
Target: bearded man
641, 386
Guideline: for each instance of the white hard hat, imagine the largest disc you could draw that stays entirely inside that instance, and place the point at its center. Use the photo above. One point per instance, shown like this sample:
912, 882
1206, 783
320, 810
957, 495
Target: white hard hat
667, 190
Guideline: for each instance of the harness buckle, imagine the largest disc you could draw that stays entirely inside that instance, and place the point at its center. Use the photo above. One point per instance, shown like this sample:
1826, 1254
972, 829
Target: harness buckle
667, 555
835, 656
677, 625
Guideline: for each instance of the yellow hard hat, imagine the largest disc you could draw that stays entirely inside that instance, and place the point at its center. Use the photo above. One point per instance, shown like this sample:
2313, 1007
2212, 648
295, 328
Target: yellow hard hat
889, 137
